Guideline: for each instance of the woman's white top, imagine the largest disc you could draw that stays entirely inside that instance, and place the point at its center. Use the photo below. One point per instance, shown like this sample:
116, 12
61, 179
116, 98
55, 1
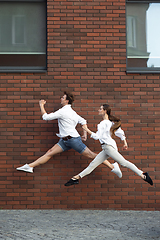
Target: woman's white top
104, 133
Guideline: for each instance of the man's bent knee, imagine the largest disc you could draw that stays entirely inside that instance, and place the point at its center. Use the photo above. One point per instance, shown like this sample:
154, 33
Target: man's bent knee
49, 152
54, 150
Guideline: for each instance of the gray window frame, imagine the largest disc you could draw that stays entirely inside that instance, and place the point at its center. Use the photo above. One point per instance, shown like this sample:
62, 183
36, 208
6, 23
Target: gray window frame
30, 69
140, 69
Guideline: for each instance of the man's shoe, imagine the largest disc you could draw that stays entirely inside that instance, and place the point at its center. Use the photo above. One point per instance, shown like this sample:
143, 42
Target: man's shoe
117, 170
25, 168
147, 178
71, 182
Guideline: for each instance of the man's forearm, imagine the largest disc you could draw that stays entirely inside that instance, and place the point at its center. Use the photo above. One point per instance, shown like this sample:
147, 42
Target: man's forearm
84, 126
41, 104
85, 133
43, 111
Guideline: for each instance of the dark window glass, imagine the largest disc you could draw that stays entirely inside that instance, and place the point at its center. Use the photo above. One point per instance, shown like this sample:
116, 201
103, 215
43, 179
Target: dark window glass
22, 35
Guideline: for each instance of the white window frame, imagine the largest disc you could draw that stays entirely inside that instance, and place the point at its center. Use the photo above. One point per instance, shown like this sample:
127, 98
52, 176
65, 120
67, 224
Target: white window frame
131, 31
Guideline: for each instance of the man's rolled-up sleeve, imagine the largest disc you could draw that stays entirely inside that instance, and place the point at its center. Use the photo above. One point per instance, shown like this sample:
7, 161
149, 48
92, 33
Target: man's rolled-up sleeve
51, 116
81, 120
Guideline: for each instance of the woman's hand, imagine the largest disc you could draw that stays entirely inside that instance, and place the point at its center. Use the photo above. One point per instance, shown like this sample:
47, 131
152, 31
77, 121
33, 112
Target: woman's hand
125, 146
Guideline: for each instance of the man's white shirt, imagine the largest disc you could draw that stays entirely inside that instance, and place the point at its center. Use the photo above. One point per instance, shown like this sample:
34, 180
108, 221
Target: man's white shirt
67, 121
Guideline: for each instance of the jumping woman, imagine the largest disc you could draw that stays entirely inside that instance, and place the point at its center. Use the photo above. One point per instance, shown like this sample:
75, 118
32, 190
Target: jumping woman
108, 127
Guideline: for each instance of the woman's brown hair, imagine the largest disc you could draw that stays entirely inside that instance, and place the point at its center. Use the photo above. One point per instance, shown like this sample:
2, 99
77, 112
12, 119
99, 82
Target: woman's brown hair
116, 120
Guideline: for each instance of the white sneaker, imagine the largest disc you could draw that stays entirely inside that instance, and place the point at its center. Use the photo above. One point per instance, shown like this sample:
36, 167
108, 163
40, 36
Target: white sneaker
25, 168
117, 170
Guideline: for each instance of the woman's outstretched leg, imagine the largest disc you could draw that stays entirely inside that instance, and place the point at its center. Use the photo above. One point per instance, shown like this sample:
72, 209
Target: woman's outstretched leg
113, 153
100, 158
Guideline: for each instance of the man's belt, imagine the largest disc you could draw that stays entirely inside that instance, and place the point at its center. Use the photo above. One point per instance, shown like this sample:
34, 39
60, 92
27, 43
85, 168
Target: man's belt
66, 138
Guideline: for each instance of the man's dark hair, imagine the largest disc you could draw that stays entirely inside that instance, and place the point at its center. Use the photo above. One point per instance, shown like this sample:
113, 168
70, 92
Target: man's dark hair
69, 97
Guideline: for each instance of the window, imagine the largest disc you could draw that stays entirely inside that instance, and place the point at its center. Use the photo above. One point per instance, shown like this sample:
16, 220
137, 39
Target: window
18, 30
143, 36
22, 35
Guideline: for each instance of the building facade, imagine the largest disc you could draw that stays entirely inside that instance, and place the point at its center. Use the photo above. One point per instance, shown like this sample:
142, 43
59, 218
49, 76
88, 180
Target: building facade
86, 53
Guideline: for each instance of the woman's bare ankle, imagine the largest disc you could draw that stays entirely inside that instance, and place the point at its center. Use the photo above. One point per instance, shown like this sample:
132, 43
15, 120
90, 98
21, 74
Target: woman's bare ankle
76, 177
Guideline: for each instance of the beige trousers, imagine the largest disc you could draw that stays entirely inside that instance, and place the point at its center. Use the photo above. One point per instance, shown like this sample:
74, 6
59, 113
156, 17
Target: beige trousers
109, 151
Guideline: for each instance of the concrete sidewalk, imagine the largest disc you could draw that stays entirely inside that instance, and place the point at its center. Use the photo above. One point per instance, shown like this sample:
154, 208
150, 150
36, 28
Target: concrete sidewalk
79, 225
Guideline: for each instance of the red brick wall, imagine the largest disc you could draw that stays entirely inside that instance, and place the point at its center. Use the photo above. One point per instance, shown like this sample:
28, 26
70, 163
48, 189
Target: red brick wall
86, 55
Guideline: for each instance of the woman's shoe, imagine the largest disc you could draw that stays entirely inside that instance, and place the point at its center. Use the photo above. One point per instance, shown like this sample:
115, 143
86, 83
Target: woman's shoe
117, 170
147, 178
71, 182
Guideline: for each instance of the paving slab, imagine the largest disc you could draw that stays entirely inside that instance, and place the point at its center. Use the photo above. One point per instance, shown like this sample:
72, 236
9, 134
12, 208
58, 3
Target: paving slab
79, 225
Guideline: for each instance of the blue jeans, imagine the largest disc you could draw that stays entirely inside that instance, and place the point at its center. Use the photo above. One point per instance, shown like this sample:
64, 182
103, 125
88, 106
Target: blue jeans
75, 143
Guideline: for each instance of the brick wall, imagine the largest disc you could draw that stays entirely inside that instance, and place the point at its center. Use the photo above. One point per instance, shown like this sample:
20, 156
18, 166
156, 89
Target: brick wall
86, 55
